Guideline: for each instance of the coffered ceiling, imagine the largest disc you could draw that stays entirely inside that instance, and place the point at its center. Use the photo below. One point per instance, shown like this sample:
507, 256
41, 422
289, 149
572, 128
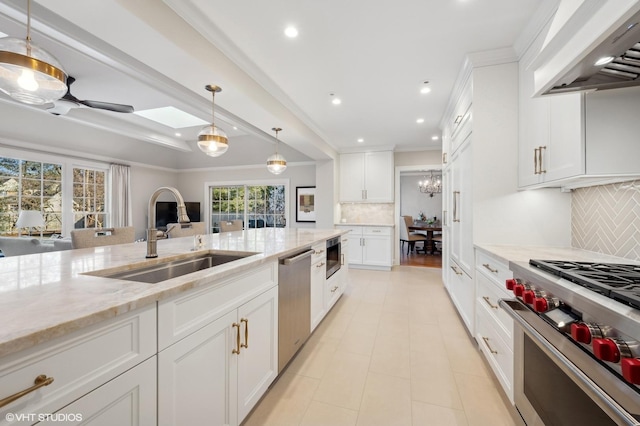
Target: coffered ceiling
374, 56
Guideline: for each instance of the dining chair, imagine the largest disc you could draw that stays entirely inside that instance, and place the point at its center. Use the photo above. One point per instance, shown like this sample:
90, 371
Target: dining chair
230, 225
409, 237
99, 237
177, 230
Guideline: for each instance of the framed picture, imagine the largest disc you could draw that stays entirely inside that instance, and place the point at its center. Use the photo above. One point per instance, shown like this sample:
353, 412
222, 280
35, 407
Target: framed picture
305, 203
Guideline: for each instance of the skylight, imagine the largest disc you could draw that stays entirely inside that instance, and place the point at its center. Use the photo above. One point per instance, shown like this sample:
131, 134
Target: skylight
172, 117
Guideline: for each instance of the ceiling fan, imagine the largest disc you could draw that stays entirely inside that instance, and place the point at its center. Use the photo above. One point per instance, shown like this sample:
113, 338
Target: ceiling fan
68, 102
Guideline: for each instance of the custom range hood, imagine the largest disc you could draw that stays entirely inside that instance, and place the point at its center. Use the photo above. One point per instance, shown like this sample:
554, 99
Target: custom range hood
613, 64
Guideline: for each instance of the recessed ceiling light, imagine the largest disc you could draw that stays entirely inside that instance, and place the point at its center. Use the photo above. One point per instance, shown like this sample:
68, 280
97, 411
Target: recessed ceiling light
171, 116
434, 138
425, 90
604, 61
336, 101
235, 128
3, 34
291, 32
360, 140
178, 134
420, 120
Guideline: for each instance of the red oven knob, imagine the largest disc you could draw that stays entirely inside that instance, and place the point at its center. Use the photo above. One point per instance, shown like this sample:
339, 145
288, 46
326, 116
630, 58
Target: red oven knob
510, 283
631, 370
606, 350
581, 332
518, 289
528, 296
544, 304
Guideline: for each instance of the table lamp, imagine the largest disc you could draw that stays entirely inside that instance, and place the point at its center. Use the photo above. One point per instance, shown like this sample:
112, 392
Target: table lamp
29, 219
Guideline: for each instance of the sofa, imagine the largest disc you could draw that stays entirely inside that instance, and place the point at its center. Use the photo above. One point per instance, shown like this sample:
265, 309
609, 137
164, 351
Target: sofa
11, 246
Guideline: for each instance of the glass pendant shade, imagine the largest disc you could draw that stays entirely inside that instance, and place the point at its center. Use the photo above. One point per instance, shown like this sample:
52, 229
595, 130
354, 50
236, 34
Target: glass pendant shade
28, 73
213, 141
276, 163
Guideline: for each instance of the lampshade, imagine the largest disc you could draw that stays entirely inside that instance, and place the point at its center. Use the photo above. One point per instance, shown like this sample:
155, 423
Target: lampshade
28, 73
276, 163
211, 140
29, 219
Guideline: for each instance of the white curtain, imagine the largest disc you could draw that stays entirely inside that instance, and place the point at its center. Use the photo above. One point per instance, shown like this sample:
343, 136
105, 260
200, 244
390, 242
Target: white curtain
120, 195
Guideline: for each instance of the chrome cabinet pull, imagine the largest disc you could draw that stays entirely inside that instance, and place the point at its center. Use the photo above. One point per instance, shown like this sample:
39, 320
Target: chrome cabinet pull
486, 341
246, 332
444, 218
237, 349
535, 161
456, 270
320, 265
444, 158
486, 265
40, 381
456, 195
342, 261
486, 299
458, 119
318, 251
333, 290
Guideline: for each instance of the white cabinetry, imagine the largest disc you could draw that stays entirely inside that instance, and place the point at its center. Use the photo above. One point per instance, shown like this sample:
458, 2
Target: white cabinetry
494, 327
462, 292
369, 247
318, 278
81, 365
367, 177
574, 139
460, 194
221, 344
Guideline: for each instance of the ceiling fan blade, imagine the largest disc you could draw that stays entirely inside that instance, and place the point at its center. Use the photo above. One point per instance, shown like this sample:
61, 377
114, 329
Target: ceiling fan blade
108, 106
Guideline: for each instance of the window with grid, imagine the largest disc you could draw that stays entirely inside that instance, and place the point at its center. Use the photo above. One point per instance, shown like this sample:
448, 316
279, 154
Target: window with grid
30, 185
89, 198
258, 206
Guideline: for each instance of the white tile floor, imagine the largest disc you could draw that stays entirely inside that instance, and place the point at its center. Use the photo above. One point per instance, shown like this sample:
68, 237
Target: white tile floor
393, 351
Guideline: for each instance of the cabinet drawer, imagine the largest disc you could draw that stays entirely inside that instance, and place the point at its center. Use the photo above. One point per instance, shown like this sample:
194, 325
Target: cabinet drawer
78, 363
354, 231
487, 300
376, 230
182, 315
493, 268
319, 252
497, 353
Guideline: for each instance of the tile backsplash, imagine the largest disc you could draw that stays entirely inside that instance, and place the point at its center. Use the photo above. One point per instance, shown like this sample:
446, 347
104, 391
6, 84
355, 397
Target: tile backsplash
382, 213
606, 219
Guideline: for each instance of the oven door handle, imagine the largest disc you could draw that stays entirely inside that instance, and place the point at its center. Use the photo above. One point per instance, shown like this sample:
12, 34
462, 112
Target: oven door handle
608, 405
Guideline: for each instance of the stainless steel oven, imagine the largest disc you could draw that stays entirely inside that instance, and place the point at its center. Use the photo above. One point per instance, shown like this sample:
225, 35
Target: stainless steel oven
564, 373
333, 256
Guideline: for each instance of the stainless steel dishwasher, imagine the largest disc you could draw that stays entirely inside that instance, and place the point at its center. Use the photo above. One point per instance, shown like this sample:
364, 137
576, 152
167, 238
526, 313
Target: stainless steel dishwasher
294, 290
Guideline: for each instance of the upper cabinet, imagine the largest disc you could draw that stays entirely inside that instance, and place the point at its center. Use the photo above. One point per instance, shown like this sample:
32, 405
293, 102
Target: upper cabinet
574, 139
367, 177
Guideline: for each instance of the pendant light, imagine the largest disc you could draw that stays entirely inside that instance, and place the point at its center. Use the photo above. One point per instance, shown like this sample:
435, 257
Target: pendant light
28, 73
276, 164
211, 140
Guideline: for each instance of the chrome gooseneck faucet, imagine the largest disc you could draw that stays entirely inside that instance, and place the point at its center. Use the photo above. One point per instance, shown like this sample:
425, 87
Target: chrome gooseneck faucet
152, 232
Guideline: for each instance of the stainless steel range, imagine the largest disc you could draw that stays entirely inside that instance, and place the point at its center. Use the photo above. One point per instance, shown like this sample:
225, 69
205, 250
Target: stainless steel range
577, 350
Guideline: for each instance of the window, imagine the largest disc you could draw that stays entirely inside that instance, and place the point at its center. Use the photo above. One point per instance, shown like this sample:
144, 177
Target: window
258, 206
30, 185
89, 198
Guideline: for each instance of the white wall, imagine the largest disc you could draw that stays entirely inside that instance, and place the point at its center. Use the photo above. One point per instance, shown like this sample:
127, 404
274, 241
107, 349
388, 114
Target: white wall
412, 201
191, 184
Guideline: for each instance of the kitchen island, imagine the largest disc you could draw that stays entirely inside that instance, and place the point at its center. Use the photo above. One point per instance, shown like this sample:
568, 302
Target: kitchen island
55, 308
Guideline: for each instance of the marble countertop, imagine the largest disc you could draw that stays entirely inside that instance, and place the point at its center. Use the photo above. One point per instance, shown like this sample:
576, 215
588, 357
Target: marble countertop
47, 295
525, 253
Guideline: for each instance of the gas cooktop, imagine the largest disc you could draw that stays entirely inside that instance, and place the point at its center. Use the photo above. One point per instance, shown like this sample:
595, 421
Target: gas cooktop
616, 281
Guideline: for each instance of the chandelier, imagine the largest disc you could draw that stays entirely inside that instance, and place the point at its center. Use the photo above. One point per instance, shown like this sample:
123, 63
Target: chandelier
431, 185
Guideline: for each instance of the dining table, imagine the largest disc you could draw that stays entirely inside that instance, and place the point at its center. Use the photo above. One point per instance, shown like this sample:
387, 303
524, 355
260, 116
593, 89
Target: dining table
429, 229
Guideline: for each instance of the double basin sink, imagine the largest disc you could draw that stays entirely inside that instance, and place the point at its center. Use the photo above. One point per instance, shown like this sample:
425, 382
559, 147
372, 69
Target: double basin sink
163, 271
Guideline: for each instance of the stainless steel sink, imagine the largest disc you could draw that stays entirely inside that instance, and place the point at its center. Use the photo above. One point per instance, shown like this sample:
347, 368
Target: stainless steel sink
176, 268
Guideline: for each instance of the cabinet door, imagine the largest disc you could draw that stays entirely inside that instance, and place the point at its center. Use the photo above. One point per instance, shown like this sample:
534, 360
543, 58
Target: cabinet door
376, 251
462, 292
355, 250
318, 277
565, 154
378, 170
446, 223
454, 200
258, 359
129, 399
197, 377
352, 177
465, 224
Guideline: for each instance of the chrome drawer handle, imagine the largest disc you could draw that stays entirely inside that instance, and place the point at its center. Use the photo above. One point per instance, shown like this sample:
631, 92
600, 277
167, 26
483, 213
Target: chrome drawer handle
456, 270
40, 381
486, 341
320, 265
486, 265
333, 290
486, 299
